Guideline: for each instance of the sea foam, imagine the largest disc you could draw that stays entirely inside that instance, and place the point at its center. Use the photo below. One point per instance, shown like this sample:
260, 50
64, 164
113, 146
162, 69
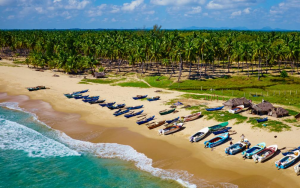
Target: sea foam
70, 146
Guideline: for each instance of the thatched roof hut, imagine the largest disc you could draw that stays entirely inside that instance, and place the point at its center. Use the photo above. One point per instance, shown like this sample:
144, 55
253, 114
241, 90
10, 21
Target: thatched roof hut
263, 108
279, 112
99, 74
237, 101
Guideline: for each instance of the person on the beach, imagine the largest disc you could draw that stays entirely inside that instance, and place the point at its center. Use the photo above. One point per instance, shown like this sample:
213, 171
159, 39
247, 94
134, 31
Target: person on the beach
243, 137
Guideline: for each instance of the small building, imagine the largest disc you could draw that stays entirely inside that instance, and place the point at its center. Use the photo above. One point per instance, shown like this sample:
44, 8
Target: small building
237, 102
264, 108
279, 112
99, 74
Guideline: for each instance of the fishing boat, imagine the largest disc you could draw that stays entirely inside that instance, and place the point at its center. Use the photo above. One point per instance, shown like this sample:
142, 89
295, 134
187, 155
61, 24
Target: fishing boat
83, 91
153, 98
139, 97
199, 135
97, 101
192, 117
167, 111
107, 104
236, 110
81, 96
145, 120
172, 120
290, 151
214, 109
155, 124
116, 106
265, 154
41, 87
120, 112
133, 114
72, 95
262, 120
170, 129
217, 127
237, 147
216, 140
32, 88
253, 150
297, 169
221, 130
135, 107
90, 99
287, 160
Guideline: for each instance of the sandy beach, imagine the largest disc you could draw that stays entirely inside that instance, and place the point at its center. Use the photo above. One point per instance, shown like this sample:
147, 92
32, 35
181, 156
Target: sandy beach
173, 152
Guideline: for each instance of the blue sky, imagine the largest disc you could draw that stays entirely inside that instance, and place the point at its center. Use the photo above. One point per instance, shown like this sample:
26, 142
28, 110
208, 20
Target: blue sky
128, 14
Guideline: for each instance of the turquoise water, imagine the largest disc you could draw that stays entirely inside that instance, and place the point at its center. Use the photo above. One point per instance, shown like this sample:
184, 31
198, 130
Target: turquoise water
34, 155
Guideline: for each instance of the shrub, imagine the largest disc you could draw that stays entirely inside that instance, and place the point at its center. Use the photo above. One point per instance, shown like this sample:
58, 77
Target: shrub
284, 74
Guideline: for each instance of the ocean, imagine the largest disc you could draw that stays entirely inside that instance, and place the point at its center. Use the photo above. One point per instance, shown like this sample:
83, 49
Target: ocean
34, 155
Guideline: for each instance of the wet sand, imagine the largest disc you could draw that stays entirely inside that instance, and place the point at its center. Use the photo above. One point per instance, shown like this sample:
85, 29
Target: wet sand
95, 124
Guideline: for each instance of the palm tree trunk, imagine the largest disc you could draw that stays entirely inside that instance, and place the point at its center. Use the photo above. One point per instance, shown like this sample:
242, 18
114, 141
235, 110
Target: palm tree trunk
228, 63
180, 69
190, 69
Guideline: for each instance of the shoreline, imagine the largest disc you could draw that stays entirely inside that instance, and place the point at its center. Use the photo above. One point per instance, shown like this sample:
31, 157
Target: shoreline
167, 152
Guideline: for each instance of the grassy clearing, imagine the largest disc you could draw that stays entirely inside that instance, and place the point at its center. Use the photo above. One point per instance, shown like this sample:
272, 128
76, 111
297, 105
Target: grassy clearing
103, 81
133, 84
158, 81
271, 125
201, 97
290, 120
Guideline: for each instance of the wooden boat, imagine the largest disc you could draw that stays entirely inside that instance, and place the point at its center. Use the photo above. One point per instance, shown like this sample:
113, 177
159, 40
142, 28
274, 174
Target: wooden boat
214, 109
72, 95
83, 91
265, 154
32, 88
199, 135
172, 120
287, 160
167, 111
135, 107
116, 106
139, 97
81, 96
262, 120
88, 99
217, 127
297, 169
192, 117
107, 104
216, 140
290, 151
41, 87
221, 130
237, 147
236, 110
153, 98
97, 101
133, 114
120, 112
170, 130
145, 120
155, 124
253, 150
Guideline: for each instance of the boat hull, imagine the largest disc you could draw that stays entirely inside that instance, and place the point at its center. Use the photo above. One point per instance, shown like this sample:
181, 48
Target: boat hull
211, 143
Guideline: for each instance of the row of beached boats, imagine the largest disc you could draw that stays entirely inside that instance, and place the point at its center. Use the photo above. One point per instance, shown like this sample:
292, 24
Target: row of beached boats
145, 96
259, 152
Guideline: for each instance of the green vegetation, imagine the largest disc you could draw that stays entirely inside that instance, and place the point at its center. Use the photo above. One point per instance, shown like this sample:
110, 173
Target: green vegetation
103, 80
290, 120
158, 81
271, 125
133, 84
292, 112
284, 74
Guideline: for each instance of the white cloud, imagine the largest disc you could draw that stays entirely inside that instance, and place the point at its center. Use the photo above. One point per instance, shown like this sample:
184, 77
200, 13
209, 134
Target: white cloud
229, 4
247, 10
132, 6
113, 20
6, 2
115, 9
98, 11
237, 13
176, 2
10, 17
195, 10
74, 4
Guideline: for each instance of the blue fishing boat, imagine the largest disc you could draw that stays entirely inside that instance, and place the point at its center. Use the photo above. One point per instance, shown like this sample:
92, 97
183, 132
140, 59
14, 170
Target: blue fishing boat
133, 114
222, 130
153, 98
107, 104
120, 112
214, 109
262, 120
290, 151
96, 101
218, 127
135, 107
172, 120
237, 147
145, 120
81, 97
216, 140
287, 160
72, 95
83, 91
139, 97
90, 99
255, 149
117, 106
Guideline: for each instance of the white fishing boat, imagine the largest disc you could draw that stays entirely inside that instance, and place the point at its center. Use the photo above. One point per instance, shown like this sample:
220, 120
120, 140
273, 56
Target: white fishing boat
199, 135
287, 160
265, 154
236, 110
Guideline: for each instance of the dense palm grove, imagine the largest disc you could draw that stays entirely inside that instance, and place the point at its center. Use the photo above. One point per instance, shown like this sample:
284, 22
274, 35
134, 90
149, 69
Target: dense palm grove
77, 51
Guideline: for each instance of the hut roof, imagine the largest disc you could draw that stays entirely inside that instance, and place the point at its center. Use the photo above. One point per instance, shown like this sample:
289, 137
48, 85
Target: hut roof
265, 106
279, 112
237, 102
